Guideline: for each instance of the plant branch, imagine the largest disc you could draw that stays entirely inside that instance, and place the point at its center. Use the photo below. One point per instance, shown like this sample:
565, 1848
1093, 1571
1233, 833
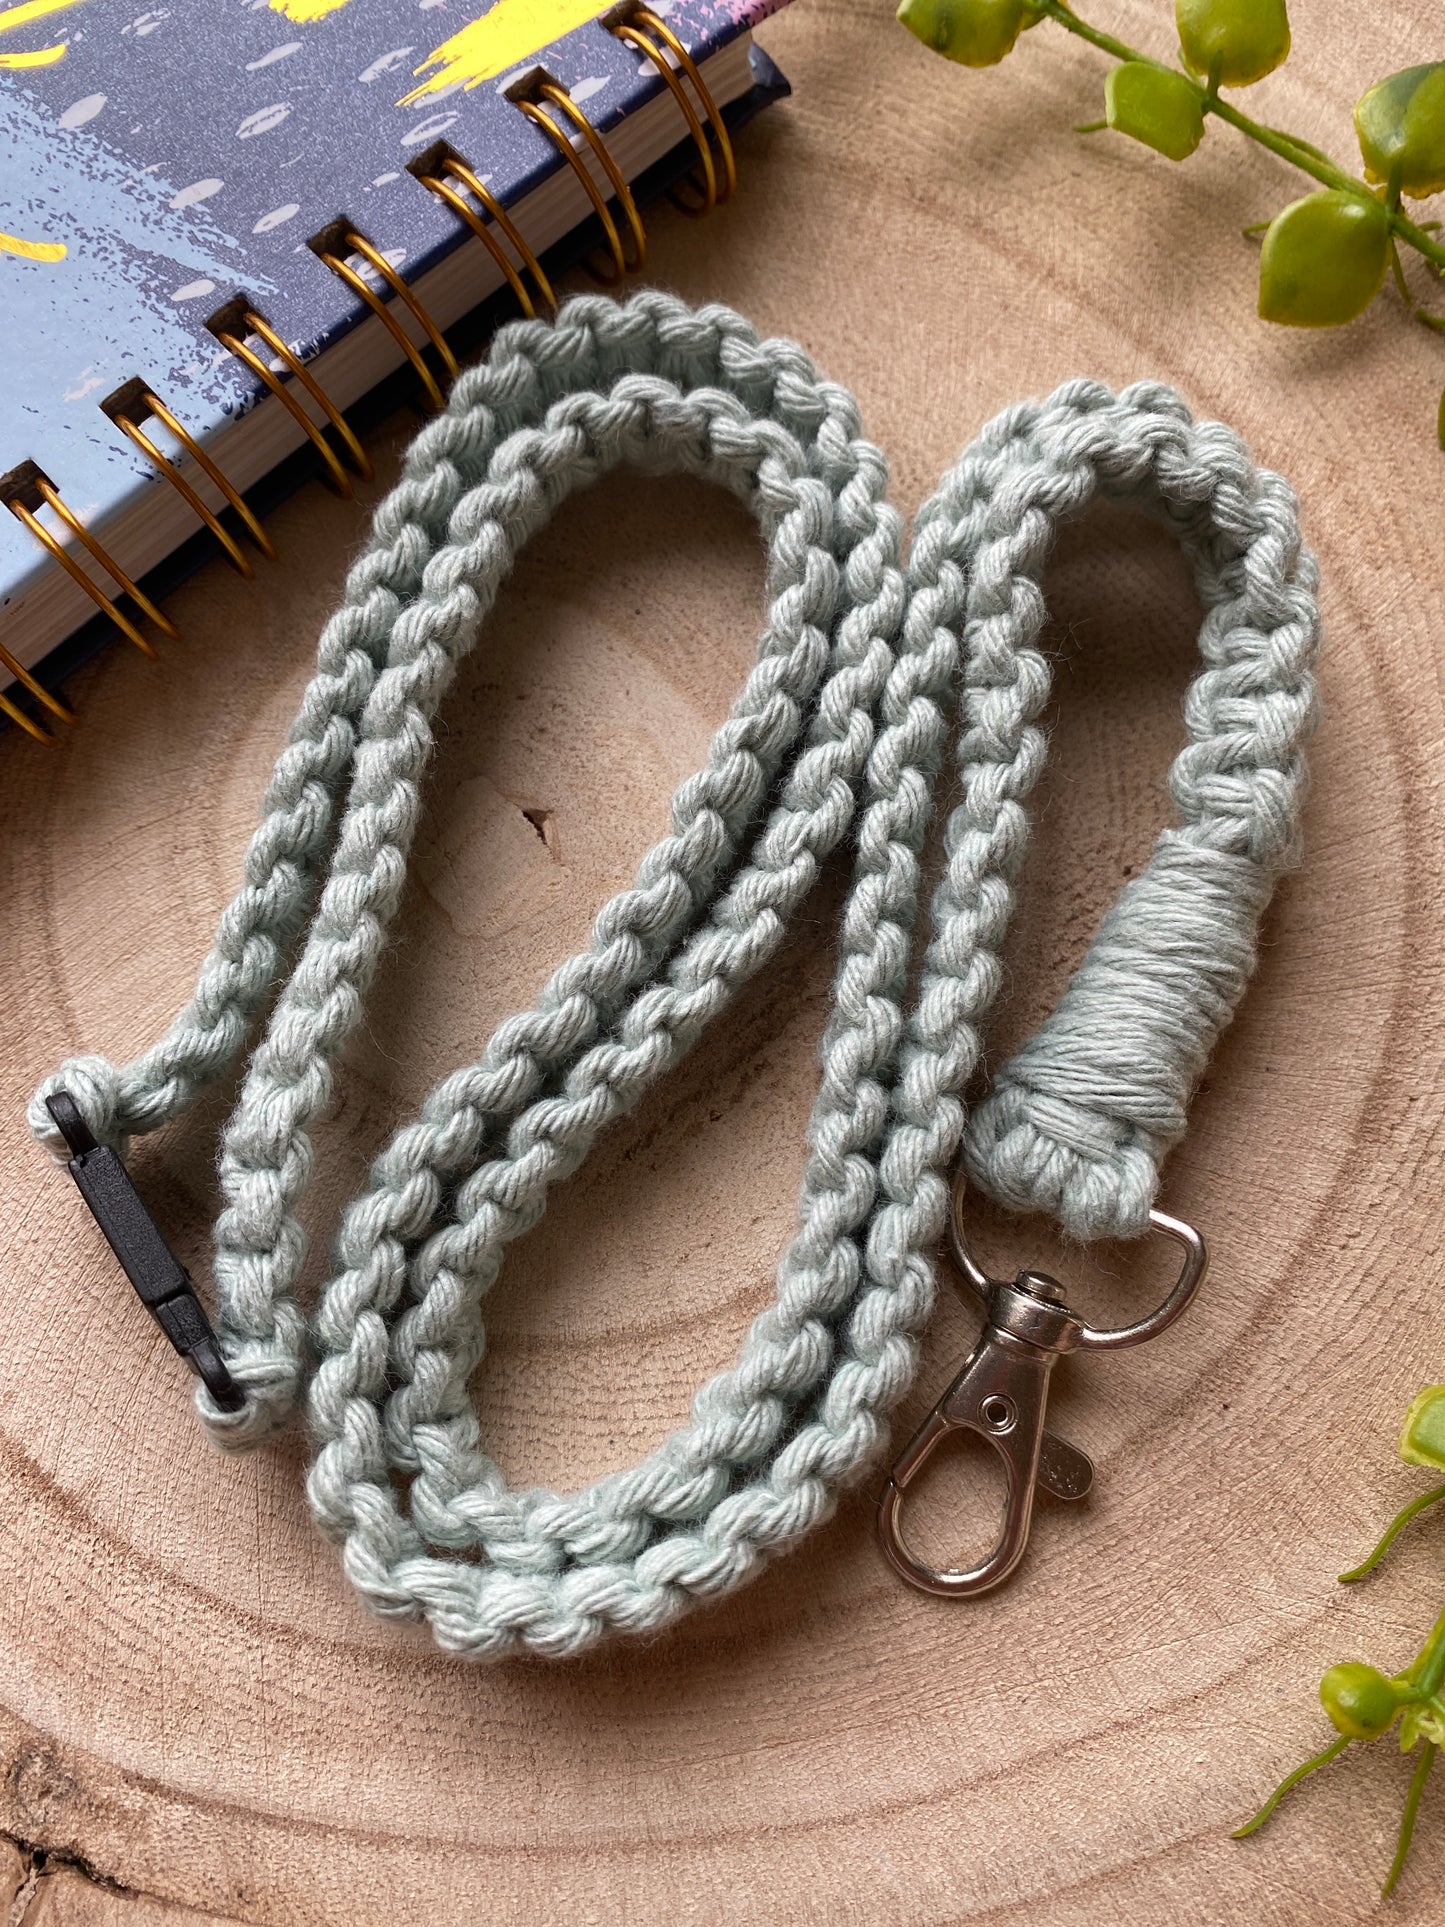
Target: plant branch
1289, 1783
1299, 153
1407, 1819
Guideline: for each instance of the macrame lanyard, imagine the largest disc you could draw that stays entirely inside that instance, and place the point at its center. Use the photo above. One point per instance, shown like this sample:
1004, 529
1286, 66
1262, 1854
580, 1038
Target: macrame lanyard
840, 727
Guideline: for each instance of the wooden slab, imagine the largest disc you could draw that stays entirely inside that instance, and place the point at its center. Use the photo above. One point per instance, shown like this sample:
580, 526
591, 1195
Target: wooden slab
201, 1722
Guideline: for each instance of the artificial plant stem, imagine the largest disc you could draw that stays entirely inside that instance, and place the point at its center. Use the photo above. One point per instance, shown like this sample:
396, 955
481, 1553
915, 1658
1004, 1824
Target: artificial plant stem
1392, 1532
1289, 1782
1431, 1662
1407, 1818
1301, 154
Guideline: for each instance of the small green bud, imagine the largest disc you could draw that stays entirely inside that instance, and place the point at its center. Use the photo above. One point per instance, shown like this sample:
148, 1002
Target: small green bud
1155, 106
1242, 39
1426, 1722
1422, 1437
976, 33
1323, 259
1401, 126
1360, 1701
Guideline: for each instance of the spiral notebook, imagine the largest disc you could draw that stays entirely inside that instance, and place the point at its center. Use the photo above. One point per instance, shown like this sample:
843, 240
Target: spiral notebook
234, 232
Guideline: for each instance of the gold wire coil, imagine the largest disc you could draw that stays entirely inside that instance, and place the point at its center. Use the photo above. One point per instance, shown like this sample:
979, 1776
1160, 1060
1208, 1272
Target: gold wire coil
132, 404
28, 488
530, 92
640, 27
230, 327
41, 694
332, 246
432, 169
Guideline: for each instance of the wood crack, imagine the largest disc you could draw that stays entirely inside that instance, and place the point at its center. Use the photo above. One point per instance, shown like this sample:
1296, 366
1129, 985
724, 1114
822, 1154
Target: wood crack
42, 1863
542, 821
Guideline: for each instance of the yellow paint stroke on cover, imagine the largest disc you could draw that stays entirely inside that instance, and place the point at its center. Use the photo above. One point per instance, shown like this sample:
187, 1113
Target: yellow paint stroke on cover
30, 10
502, 38
306, 9
32, 250
21, 16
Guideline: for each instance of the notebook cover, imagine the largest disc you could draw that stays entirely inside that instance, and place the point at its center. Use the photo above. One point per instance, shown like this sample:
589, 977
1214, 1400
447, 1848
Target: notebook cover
399, 389
155, 164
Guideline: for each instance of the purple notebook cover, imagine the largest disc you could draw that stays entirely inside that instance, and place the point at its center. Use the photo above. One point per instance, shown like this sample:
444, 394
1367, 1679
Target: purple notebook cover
155, 164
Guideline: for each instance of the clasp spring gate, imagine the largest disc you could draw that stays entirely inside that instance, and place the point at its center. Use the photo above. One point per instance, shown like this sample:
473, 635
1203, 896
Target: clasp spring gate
1002, 1395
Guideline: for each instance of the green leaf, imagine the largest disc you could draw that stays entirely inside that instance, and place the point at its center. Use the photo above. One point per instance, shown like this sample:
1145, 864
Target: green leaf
976, 33
1360, 1701
1401, 126
1422, 1437
1239, 40
1323, 260
1155, 106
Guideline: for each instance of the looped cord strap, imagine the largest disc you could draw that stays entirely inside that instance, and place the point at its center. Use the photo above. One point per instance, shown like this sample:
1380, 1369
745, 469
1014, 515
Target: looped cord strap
839, 730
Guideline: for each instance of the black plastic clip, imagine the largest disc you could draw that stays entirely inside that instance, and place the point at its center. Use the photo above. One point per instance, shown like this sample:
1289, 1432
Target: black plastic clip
162, 1283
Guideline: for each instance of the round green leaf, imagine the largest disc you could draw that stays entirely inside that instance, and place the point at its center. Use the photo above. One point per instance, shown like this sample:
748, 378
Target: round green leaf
1422, 1438
1323, 260
1243, 40
1401, 125
1360, 1701
976, 33
1155, 106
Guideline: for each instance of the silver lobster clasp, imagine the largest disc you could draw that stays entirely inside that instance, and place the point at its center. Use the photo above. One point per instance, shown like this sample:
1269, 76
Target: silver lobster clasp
1002, 1395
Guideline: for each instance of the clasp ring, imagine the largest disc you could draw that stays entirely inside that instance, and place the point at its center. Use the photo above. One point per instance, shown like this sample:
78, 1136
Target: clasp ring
1002, 1395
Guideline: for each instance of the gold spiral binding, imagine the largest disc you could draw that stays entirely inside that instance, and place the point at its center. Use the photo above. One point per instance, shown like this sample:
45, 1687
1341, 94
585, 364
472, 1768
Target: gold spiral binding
535, 91
134, 403
638, 26
332, 246
433, 170
27, 489
41, 694
231, 326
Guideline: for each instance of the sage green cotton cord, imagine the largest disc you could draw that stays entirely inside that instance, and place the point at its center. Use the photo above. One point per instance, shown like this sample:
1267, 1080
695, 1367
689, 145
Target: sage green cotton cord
840, 729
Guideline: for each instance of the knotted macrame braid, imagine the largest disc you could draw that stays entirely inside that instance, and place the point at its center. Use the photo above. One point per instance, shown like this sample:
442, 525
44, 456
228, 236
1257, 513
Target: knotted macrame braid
840, 729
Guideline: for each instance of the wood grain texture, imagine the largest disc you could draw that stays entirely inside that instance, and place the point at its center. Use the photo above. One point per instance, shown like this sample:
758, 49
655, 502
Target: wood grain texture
199, 1721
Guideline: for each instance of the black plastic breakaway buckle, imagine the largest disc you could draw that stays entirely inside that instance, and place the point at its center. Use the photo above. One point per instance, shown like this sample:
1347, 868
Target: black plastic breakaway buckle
162, 1283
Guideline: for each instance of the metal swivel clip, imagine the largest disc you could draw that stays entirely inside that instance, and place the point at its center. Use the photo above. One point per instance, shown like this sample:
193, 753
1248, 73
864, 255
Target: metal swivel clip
1002, 1394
